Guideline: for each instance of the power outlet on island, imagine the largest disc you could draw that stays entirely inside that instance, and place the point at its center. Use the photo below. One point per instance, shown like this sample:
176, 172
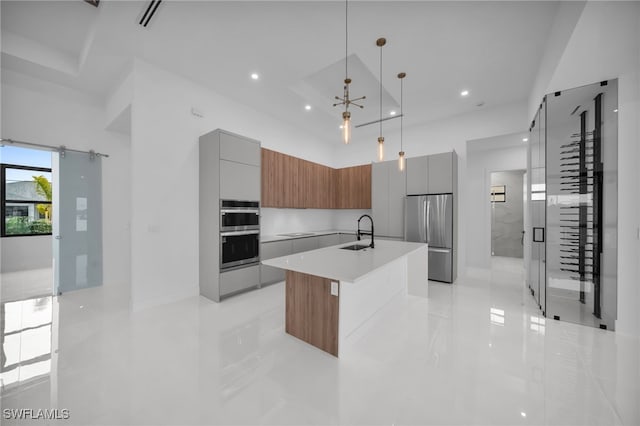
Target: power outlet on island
334, 288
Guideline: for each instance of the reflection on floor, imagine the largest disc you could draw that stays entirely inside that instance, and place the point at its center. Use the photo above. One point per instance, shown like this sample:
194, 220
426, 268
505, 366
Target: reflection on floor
26, 284
563, 299
474, 352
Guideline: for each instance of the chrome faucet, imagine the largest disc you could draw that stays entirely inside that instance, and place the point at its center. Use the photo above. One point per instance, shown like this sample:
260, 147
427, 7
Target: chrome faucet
365, 232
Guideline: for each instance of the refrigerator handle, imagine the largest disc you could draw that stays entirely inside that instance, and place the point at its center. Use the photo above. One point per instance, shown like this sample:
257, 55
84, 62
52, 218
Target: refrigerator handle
427, 207
421, 221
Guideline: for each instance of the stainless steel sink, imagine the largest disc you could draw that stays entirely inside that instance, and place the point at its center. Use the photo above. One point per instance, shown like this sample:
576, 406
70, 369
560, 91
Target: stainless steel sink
354, 247
297, 234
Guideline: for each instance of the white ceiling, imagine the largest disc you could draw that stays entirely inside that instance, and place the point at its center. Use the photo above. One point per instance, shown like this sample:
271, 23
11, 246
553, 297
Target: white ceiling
490, 48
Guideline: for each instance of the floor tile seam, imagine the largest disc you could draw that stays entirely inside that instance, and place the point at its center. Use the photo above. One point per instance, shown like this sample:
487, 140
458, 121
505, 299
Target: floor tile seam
598, 385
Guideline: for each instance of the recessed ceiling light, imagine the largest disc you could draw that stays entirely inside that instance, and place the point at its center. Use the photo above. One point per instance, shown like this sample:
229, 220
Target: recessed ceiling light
255, 76
464, 93
392, 113
525, 139
307, 107
615, 110
523, 414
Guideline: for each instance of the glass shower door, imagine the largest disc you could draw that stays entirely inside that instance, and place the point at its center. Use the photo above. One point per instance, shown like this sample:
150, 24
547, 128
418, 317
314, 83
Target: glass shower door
77, 226
536, 204
582, 204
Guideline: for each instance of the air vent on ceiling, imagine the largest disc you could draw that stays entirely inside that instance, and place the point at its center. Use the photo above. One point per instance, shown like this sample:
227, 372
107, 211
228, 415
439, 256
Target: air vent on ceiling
149, 12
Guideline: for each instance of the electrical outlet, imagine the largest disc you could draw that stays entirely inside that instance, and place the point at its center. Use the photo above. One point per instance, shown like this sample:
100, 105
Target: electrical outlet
334, 288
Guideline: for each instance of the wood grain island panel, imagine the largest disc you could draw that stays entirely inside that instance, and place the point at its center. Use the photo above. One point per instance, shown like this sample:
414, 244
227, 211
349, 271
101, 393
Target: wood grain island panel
311, 311
366, 281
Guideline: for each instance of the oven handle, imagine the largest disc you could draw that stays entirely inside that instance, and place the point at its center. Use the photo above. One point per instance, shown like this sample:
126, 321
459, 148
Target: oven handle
256, 211
236, 233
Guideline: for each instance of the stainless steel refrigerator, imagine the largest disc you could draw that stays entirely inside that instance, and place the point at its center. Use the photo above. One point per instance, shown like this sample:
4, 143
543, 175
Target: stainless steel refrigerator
429, 219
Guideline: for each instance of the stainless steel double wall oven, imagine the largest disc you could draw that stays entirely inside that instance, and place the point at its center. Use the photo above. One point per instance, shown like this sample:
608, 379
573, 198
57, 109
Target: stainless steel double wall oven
239, 233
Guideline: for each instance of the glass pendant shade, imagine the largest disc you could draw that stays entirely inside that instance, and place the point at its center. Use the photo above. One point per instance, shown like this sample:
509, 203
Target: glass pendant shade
346, 127
380, 148
401, 161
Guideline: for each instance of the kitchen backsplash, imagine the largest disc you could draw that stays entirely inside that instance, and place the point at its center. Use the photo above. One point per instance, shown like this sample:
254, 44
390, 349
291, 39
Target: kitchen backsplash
277, 221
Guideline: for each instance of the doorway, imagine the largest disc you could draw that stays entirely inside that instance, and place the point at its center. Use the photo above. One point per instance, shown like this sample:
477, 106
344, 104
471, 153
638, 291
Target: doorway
507, 214
51, 224
26, 205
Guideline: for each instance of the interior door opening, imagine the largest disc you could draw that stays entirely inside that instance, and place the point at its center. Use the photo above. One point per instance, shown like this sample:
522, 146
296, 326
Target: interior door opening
51, 225
26, 205
507, 213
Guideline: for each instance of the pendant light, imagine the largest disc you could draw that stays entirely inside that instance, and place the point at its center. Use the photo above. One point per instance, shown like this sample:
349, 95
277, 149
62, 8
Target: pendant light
401, 159
344, 100
380, 43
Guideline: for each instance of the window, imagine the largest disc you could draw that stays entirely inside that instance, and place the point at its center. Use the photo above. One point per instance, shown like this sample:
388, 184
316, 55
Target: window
25, 200
498, 193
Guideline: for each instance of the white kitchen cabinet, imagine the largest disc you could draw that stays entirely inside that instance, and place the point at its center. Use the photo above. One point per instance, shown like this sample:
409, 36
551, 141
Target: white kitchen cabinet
432, 174
237, 280
229, 168
417, 175
388, 189
239, 149
305, 244
271, 250
328, 240
347, 238
380, 197
397, 192
440, 173
239, 181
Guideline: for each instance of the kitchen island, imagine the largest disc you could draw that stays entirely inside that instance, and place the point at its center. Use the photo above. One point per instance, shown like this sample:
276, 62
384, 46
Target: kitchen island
332, 291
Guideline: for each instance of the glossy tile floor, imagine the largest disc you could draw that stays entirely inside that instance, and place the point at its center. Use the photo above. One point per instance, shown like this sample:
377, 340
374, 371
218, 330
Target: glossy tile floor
29, 284
477, 352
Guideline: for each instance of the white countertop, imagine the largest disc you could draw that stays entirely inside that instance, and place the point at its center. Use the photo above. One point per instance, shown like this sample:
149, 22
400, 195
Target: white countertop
344, 265
305, 234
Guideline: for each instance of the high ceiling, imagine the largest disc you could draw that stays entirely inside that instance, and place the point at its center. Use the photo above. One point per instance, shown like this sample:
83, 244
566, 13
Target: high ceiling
491, 49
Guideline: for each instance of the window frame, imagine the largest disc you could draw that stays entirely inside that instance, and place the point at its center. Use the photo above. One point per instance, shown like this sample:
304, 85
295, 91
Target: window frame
4, 201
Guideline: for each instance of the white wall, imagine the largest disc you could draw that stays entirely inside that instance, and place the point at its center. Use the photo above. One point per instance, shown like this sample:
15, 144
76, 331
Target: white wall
40, 112
277, 221
564, 23
441, 136
605, 44
24, 253
480, 164
164, 155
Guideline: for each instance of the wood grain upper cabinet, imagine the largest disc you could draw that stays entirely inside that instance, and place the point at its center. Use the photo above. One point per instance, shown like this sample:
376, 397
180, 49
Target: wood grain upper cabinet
272, 182
319, 186
441, 173
291, 182
353, 187
279, 184
417, 175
